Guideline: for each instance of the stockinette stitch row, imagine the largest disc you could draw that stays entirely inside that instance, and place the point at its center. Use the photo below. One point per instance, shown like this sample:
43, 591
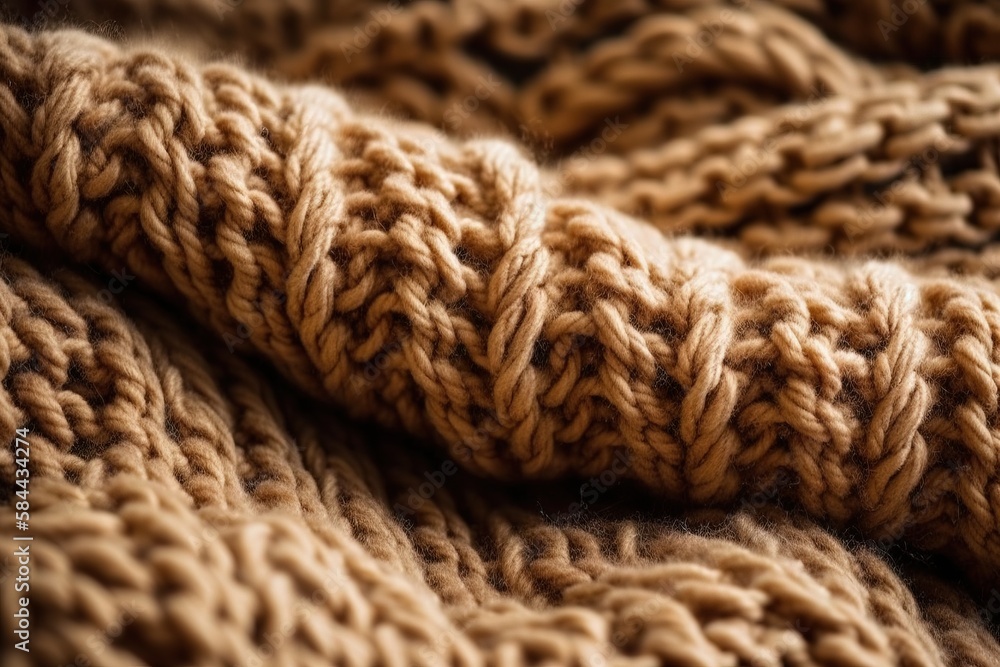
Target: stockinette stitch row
530, 335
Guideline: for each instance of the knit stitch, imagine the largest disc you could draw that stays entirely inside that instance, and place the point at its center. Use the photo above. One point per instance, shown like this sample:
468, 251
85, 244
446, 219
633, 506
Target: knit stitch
508, 335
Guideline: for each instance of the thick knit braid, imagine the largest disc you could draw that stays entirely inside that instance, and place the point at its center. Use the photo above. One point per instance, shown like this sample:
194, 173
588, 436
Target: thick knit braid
188, 510
904, 167
532, 336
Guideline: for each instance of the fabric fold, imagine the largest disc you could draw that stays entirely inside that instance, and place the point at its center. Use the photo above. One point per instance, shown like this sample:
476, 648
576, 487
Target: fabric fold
472, 333
530, 334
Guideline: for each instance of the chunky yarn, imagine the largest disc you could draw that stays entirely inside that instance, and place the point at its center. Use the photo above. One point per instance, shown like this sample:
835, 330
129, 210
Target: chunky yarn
571, 333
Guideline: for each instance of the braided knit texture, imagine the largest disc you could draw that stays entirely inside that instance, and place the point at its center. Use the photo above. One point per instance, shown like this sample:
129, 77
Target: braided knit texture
560, 333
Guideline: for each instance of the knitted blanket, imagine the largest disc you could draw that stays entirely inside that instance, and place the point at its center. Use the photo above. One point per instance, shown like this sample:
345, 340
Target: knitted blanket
570, 332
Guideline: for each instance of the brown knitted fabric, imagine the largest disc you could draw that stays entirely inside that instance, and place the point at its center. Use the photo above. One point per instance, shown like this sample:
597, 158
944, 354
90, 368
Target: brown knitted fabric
584, 333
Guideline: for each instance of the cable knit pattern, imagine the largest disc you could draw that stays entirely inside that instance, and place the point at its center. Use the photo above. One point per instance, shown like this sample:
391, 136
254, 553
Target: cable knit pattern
443, 301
